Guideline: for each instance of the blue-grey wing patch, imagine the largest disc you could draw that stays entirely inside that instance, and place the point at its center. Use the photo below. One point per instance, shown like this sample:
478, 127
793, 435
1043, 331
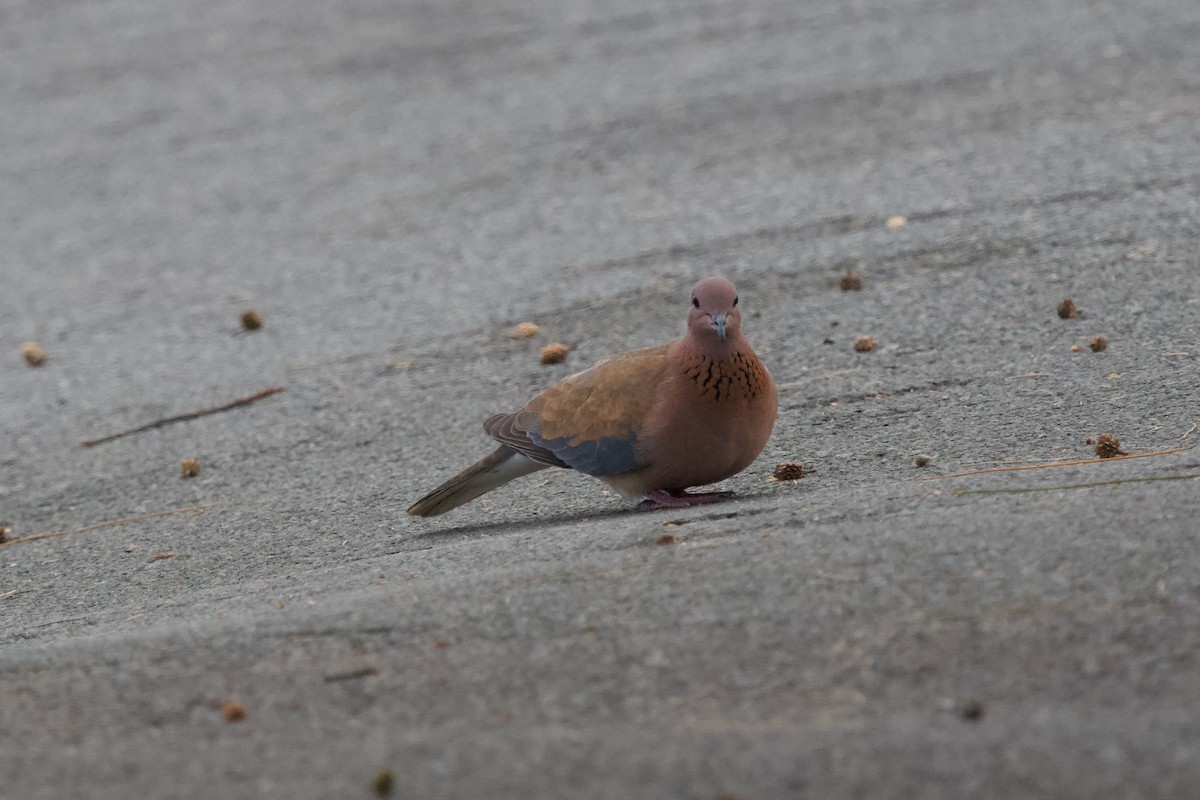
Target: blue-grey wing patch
608, 455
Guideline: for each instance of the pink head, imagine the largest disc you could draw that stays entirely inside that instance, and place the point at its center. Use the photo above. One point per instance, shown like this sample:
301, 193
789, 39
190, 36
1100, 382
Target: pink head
714, 317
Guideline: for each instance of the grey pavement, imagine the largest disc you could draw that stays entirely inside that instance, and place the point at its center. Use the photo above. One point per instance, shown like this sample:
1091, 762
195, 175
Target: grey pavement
393, 186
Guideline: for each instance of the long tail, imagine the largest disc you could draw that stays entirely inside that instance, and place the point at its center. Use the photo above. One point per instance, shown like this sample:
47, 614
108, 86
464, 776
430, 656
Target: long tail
484, 475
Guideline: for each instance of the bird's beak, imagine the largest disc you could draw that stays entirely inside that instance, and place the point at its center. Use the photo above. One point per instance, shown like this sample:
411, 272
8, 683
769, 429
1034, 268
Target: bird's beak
718, 322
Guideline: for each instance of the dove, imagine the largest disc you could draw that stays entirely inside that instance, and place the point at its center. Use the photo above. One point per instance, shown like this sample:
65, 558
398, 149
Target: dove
651, 423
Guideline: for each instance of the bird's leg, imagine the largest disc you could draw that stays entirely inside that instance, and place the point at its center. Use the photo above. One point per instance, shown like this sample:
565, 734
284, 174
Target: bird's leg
679, 499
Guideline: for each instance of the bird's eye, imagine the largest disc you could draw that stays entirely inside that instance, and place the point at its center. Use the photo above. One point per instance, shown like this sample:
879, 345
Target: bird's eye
696, 302
735, 301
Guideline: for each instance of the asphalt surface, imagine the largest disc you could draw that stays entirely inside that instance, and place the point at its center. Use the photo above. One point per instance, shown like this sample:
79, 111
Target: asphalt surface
393, 187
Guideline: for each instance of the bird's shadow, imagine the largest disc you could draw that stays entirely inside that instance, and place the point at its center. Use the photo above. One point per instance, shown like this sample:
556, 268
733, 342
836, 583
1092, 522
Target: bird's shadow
532, 523
728, 508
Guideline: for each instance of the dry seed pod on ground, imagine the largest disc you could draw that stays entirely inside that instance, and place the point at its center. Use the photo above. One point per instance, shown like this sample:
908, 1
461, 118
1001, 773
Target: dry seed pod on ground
788, 471
526, 330
33, 354
865, 344
554, 353
1066, 309
233, 711
1109, 446
251, 320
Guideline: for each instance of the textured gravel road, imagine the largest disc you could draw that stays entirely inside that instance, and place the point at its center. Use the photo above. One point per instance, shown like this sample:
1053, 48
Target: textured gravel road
393, 186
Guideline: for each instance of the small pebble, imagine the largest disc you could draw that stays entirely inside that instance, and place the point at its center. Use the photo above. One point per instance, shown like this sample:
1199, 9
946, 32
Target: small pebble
972, 711
896, 221
383, 782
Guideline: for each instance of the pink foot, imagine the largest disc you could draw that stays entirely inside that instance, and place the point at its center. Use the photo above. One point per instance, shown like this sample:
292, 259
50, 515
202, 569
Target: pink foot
660, 499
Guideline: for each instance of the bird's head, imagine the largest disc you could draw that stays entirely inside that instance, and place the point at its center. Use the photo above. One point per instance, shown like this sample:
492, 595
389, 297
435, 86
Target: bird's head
714, 315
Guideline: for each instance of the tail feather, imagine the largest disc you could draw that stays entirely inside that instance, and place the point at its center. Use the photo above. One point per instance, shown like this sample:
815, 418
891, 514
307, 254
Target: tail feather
484, 475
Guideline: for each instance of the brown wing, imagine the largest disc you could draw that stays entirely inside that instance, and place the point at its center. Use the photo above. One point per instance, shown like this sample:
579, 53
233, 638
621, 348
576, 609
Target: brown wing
591, 420
503, 429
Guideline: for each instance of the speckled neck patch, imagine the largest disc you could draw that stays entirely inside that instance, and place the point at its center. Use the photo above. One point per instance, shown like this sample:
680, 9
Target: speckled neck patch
740, 377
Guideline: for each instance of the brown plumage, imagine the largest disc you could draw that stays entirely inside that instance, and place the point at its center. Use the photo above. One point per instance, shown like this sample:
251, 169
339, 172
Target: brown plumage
651, 423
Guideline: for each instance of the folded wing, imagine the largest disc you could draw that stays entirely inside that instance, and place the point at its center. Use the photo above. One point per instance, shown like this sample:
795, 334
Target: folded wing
589, 421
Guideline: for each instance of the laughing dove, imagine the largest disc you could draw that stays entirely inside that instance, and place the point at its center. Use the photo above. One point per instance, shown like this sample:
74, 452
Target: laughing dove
650, 423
